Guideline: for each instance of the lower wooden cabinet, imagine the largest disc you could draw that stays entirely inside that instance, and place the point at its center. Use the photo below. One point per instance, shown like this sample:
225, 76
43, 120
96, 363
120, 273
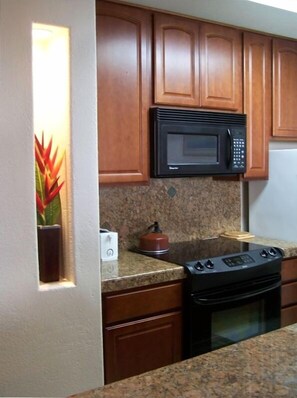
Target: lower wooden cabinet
289, 292
142, 330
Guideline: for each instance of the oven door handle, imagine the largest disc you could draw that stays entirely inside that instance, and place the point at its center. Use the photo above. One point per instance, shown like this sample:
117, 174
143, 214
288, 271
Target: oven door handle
236, 297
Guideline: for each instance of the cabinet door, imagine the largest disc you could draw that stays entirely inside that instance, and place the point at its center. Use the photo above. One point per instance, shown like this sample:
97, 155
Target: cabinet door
284, 88
139, 346
257, 102
289, 316
289, 292
176, 60
124, 70
221, 67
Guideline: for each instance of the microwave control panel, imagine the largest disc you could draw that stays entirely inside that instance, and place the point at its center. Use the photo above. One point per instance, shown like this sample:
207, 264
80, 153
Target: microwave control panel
239, 151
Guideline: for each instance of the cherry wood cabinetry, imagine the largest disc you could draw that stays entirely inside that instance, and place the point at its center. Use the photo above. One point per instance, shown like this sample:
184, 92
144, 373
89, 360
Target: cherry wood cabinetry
142, 330
257, 102
198, 70
221, 67
289, 292
176, 60
124, 91
285, 88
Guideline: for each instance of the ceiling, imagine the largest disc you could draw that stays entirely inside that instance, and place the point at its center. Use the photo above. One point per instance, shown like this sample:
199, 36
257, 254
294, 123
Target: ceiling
243, 13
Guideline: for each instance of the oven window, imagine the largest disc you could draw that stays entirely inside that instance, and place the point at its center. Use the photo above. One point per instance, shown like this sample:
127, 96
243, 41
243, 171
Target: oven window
235, 324
189, 149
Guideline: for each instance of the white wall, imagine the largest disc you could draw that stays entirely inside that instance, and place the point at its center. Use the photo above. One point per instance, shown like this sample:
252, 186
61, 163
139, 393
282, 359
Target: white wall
50, 341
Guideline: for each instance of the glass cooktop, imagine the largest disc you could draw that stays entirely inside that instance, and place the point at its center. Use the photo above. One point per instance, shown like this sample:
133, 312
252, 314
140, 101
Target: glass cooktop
183, 252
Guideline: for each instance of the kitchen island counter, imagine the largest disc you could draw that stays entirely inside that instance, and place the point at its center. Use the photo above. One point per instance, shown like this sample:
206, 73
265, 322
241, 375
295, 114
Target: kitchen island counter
263, 366
133, 270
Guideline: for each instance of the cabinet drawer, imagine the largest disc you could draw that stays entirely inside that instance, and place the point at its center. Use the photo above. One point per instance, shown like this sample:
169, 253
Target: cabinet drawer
141, 303
289, 315
289, 270
289, 294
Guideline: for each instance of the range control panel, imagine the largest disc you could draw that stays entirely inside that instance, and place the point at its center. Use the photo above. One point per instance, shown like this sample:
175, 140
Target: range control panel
217, 271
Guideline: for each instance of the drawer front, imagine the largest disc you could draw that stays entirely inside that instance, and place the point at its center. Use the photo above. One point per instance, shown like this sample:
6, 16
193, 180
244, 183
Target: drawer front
289, 315
141, 303
289, 270
289, 294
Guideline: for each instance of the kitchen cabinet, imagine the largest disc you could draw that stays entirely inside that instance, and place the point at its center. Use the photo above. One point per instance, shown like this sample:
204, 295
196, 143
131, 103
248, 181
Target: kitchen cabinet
257, 102
124, 91
289, 292
284, 88
221, 67
197, 69
142, 329
176, 60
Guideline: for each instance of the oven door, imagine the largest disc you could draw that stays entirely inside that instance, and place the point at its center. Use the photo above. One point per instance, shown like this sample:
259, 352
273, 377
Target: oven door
227, 315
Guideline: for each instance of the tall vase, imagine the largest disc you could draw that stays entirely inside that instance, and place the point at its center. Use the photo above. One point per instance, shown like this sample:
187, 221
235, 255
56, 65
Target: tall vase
49, 252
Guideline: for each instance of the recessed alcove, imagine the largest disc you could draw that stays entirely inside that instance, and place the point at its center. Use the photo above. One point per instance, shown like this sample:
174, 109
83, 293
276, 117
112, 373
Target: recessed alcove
52, 121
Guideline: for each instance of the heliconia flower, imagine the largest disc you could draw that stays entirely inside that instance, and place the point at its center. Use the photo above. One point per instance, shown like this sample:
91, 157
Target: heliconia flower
48, 188
39, 203
52, 194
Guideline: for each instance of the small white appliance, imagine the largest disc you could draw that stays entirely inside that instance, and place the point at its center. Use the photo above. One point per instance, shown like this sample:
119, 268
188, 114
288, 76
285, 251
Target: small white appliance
108, 245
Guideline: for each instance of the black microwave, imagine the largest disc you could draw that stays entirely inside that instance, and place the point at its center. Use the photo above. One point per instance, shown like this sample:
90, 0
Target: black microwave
188, 142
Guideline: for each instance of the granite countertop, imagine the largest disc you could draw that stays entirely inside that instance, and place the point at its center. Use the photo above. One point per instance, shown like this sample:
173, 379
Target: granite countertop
263, 366
134, 270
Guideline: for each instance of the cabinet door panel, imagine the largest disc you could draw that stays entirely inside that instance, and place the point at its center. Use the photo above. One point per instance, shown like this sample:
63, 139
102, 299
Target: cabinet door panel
289, 270
289, 294
221, 67
124, 68
136, 347
176, 60
285, 88
257, 102
289, 316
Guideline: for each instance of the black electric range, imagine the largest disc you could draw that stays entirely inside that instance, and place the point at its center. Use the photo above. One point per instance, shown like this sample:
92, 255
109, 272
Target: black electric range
232, 291
220, 261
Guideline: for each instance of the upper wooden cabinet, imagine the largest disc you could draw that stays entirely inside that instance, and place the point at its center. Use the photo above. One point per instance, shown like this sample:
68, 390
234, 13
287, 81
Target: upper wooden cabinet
285, 88
124, 91
197, 69
176, 61
257, 102
221, 67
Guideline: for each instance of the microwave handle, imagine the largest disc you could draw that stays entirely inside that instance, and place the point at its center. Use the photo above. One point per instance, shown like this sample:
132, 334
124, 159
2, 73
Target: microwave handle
230, 154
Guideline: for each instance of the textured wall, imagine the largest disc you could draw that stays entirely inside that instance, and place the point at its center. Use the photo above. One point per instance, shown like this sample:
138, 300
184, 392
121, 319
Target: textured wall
186, 208
50, 335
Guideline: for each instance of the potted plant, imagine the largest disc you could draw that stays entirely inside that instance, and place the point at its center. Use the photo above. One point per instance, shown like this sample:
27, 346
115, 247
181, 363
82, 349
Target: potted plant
48, 208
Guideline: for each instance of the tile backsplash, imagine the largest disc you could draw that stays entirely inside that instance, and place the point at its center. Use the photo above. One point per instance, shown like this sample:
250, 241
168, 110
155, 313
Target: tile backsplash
186, 208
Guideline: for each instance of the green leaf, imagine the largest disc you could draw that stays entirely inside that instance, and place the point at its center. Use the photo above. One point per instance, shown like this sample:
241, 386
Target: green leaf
39, 181
53, 211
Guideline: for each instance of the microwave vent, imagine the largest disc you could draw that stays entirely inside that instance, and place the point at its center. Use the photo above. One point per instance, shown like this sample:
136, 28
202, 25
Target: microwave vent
193, 116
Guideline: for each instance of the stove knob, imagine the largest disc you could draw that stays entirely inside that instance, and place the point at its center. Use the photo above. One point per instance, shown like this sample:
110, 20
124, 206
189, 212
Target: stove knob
272, 252
199, 266
209, 264
264, 253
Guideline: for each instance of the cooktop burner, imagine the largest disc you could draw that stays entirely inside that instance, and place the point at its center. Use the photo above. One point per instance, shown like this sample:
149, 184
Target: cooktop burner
182, 252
